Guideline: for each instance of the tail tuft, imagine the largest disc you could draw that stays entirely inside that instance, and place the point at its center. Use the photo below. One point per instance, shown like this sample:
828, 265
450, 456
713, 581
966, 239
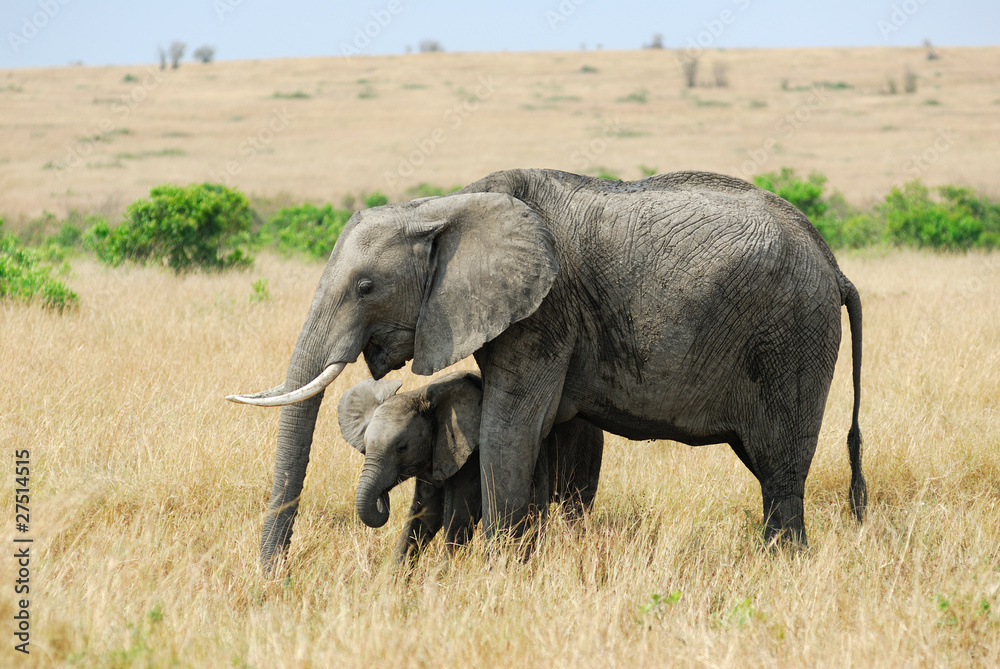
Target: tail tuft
858, 492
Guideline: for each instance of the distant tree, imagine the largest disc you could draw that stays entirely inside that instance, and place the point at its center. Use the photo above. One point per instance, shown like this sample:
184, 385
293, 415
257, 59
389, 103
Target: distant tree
204, 54
721, 74
163, 56
655, 43
690, 67
931, 53
176, 53
430, 46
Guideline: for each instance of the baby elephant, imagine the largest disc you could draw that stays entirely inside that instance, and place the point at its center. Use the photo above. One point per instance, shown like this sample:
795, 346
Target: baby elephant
433, 433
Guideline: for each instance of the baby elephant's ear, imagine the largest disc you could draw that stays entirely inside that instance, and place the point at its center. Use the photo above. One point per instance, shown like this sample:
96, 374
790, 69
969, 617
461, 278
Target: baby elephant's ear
457, 402
357, 406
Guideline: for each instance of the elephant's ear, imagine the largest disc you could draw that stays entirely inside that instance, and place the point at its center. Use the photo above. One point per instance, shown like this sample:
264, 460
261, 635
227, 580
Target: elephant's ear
457, 403
357, 406
492, 262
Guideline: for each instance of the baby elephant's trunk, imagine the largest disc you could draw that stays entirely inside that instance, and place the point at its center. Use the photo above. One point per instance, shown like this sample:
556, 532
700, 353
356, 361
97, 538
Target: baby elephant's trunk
372, 501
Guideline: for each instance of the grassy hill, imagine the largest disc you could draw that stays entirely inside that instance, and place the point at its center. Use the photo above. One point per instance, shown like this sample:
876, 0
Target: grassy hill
95, 138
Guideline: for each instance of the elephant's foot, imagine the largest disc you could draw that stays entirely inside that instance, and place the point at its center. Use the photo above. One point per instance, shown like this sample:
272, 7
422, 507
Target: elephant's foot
784, 521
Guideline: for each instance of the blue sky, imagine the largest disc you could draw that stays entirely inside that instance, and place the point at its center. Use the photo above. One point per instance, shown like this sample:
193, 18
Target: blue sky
38, 33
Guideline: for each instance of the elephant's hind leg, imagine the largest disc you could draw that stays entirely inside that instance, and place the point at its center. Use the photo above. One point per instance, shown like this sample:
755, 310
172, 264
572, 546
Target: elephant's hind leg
778, 449
575, 451
781, 469
784, 519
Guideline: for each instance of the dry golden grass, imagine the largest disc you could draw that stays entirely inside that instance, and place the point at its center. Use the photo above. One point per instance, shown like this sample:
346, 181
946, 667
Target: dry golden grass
148, 491
357, 120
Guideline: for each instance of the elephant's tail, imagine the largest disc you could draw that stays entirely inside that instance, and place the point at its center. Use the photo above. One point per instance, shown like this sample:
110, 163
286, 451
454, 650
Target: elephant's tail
858, 492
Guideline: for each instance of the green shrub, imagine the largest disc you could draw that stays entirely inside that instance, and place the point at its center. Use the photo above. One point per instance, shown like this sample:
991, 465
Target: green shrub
305, 229
70, 236
958, 221
427, 190
260, 292
203, 226
69, 239
984, 210
376, 199
806, 195
853, 232
24, 276
37, 230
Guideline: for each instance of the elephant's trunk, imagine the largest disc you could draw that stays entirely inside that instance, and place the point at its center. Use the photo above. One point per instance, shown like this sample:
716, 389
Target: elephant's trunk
372, 501
294, 443
307, 378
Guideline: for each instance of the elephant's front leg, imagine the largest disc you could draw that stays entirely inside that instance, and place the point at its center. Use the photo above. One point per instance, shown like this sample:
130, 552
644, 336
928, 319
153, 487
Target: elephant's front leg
425, 519
515, 415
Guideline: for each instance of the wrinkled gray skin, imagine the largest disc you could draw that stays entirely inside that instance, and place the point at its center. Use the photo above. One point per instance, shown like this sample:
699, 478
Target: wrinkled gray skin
688, 306
433, 434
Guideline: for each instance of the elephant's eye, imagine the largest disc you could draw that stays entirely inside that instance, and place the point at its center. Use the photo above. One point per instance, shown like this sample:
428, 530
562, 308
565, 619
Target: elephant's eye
402, 448
365, 286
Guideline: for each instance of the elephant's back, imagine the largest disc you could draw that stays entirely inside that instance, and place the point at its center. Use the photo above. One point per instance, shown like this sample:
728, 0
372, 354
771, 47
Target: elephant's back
704, 283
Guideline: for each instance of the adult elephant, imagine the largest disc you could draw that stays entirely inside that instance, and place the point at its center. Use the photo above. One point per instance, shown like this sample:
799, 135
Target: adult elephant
688, 306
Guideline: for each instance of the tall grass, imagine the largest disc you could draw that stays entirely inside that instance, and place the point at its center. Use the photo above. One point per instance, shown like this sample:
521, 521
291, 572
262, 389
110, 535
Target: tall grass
148, 491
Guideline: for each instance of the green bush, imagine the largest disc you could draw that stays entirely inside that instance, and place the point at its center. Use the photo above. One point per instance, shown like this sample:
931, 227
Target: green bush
854, 231
70, 236
986, 211
424, 189
305, 229
69, 239
202, 226
806, 195
25, 277
37, 230
376, 199
958, 221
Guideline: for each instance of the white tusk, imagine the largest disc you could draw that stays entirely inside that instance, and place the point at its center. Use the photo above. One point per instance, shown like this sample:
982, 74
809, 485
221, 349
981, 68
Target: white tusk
268, 398
273, 392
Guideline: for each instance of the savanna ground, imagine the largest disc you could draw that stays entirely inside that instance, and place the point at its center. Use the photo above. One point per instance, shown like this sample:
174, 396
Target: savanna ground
148, 489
